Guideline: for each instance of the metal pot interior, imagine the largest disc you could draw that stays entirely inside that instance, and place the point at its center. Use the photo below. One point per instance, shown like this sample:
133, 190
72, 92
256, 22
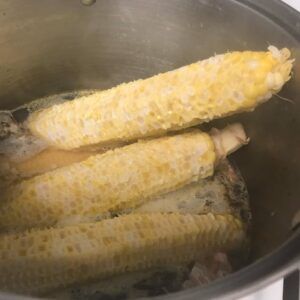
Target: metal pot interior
49, 47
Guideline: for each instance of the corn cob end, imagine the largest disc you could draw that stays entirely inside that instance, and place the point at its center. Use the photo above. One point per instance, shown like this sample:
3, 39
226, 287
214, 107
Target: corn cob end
229, 139
281, 72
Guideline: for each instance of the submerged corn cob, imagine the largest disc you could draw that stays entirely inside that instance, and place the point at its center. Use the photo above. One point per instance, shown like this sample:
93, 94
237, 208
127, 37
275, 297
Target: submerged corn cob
45, 161
111, 182
219, 86
41, 260
223, 193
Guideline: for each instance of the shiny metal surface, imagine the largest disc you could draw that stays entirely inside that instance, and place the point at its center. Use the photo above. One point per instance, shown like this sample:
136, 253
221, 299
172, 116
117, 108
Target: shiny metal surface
52, 46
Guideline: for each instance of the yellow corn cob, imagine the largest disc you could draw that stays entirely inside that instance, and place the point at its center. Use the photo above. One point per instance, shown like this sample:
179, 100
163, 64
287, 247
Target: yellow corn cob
41, 260
110, 182
106, 182
212, 88
45, 161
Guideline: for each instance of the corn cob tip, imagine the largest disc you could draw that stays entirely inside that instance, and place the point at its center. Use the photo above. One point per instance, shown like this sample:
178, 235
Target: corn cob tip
281, 72
282, 55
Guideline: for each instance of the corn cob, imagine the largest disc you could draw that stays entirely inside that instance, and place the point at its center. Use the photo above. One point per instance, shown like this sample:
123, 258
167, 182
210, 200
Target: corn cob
223, 193
45, 161
114, 180
41, 260
219, 86
111, 182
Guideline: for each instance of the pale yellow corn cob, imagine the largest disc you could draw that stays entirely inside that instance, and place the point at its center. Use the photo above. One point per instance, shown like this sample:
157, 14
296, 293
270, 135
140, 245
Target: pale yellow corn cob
223, 193
41, 260
110, 182
212, 88
45, 161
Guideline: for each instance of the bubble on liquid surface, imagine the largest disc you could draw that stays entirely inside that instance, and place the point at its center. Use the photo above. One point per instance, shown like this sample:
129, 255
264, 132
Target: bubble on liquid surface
88, 2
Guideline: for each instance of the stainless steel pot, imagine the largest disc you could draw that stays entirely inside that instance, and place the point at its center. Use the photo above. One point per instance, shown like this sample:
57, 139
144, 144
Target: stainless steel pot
52, 46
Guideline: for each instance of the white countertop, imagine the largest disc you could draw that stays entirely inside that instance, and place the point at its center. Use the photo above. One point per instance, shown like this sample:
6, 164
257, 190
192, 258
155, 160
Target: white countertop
293, 3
